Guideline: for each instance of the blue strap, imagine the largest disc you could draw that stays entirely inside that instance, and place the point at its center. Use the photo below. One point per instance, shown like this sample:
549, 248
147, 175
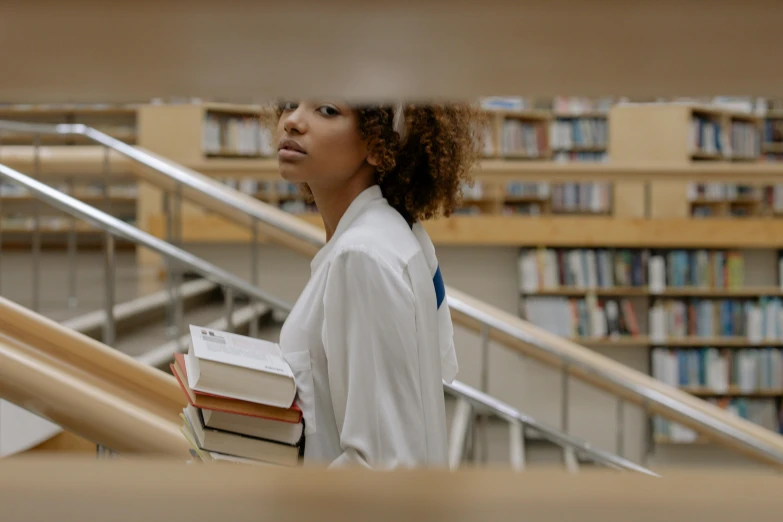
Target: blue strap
440, 287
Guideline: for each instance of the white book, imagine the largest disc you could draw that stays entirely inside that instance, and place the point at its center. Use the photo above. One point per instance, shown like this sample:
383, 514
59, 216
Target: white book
656, 267
754, 327
657, 318
240, 367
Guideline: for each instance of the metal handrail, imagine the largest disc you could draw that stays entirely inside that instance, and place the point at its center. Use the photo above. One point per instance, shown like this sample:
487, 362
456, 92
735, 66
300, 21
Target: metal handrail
112, 225
510, 414
644, 394
117, 227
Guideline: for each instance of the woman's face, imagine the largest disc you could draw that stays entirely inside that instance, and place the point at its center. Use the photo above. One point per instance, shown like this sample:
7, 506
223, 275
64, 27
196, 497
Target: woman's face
319, 144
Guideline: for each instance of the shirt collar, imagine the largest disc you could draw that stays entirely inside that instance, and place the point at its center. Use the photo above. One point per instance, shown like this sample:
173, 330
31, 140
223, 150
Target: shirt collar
353, 211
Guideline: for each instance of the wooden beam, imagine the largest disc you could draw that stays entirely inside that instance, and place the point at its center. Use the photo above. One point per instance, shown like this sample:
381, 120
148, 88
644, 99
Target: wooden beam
241, 50
518, 231
71, 489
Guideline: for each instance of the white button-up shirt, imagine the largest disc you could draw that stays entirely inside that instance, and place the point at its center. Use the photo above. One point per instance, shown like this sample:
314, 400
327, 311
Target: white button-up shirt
370, 342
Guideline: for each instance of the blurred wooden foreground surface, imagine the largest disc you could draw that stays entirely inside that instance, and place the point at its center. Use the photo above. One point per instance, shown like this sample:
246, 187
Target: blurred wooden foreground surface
38, 488
244, 50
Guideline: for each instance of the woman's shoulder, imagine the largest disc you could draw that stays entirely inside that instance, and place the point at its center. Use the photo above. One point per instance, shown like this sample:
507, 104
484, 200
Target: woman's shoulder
380, 233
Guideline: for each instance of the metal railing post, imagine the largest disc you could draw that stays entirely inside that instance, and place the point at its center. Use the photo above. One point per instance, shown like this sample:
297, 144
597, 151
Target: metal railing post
484, 444
36, 264
109, 331
73, 299
254, 277
229, 308
516, 436
460, 425
620, 427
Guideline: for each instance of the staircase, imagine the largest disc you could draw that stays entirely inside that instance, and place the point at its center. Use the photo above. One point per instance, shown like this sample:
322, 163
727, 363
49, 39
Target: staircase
149, 326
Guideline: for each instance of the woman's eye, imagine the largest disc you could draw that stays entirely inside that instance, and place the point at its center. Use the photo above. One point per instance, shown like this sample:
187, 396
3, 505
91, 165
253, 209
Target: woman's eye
328, 110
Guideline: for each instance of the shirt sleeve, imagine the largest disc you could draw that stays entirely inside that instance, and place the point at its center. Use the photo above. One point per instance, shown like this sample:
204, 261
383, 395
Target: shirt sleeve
369, 335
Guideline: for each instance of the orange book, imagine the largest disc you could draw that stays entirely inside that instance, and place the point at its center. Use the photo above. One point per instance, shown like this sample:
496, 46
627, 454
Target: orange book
208, 401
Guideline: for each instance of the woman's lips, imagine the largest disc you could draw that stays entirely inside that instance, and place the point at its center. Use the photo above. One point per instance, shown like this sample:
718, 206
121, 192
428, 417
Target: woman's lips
290, 150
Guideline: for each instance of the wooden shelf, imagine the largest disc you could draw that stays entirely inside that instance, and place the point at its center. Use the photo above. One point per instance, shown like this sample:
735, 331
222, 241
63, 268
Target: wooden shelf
716, 342
695, 291
687, 291
706, 155
619, 291
623, 340
583, 231
677, 342
732, 391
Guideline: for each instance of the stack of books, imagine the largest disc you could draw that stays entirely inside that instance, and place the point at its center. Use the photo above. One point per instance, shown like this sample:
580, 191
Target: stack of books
240, 394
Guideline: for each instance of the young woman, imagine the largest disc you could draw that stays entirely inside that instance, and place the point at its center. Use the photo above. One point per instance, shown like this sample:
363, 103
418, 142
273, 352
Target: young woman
370, 339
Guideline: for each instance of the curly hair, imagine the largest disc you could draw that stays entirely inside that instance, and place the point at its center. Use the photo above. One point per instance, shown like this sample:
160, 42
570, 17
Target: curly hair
422, 177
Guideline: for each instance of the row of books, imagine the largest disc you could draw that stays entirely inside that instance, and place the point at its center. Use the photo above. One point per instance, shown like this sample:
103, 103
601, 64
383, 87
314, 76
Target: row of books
236, 135
764, 412
745, 140
773, 131
723, 192
719, 371
582, 198
522, 138
550, 269
582, 317
705, 136
240, 400
575, 133
547, 268
768, 197
700, 268
574, 105
759, 320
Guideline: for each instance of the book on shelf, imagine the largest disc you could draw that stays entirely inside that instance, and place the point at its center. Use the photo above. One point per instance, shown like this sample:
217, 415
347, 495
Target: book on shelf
235, 135
524, 139
582, 318
697, 268
706, 137
573, 133
759, 320
724, 371
230, 425
745, 140
546, 268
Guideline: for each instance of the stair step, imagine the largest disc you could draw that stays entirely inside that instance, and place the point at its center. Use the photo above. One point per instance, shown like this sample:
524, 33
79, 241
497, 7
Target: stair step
161, 356
142, 310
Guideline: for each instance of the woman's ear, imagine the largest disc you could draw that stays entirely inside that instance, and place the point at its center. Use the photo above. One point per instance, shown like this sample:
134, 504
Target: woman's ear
372, 159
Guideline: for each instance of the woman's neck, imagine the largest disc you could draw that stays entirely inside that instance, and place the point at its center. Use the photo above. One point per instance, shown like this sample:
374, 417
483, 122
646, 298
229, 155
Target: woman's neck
332, 202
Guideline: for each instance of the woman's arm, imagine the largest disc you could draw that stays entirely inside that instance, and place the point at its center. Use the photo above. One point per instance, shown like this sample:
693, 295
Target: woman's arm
369, 335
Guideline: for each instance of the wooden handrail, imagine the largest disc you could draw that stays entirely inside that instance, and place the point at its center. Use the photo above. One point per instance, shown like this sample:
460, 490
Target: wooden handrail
86, 387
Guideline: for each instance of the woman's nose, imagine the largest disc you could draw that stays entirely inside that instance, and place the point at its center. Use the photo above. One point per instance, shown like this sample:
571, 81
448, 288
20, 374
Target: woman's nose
295, 122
